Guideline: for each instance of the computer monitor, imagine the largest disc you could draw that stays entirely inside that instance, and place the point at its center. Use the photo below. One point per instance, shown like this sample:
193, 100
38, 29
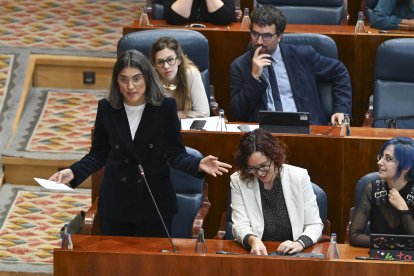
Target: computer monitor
284, 122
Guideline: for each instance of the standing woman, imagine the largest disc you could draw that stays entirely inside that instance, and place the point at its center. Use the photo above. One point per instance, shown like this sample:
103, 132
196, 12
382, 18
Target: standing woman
392, 212
270, 200
180, 77
136, 125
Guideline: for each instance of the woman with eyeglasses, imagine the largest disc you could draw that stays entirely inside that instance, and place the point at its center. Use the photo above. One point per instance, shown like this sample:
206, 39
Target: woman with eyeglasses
270, 200
180, 77
388, 204
136, 133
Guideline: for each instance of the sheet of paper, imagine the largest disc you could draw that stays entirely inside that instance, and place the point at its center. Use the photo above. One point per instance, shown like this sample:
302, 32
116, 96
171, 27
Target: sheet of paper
52, 185
211, 124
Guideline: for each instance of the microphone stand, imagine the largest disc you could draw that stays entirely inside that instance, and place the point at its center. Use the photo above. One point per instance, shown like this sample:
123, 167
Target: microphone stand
141, 171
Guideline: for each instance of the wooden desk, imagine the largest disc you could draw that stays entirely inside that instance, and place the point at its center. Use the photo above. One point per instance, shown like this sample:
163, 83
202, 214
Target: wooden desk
102, 255
356, 51
334, 163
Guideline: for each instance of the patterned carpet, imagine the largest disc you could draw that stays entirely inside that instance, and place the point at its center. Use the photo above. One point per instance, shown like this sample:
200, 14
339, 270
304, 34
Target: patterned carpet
63, 27
31, 220
65, 24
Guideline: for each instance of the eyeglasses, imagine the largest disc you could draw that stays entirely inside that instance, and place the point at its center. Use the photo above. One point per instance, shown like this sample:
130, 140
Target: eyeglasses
263, 168
265, 36
388, 158
125, 81
170, 60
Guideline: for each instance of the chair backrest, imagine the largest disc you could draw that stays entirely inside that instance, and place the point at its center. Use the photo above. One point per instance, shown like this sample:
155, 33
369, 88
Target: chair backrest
194, 44
189, 191
325, 46
362, 182
394, 84
157, 9
321, 200
325, 12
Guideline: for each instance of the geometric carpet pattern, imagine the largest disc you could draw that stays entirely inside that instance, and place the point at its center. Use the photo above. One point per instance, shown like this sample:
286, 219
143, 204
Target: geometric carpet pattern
65, 123
31, 228
66, 24
6, 62
56, 124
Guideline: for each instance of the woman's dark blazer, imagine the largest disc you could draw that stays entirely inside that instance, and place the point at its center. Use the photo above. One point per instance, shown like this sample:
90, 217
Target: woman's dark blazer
123, 195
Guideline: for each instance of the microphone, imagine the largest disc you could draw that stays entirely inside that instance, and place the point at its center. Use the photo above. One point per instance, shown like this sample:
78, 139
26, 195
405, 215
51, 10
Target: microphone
141, 171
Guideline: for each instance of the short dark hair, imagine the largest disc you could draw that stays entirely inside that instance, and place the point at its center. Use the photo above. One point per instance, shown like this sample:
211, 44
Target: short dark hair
267, 16
259, 140
404, 153
154, 93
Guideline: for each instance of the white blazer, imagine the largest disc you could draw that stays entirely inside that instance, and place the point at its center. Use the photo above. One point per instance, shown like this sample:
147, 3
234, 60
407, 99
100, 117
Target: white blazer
246, 204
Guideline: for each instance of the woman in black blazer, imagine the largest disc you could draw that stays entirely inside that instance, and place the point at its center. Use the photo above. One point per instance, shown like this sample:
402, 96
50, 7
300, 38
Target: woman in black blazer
136, 125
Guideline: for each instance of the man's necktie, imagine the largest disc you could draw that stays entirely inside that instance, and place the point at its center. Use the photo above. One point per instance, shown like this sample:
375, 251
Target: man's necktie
275, 90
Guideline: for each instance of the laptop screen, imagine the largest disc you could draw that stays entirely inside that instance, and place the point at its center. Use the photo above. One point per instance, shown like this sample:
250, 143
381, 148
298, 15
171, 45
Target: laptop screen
392, 247
284, 122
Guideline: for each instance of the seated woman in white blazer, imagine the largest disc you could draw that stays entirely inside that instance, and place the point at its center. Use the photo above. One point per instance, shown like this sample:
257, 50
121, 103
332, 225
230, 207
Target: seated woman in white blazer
271, 201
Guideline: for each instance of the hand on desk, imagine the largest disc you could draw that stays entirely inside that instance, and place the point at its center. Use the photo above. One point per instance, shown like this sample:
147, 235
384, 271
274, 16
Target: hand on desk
406, 25
257, 246
289, 247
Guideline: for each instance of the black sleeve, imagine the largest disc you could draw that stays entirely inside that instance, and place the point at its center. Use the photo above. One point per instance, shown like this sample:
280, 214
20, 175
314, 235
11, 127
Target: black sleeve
224, 15
357, 236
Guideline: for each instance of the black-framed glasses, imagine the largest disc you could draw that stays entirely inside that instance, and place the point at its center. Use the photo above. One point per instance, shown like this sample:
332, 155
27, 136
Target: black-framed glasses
170, 61
265, 36
388, 158
125, 80
263, 168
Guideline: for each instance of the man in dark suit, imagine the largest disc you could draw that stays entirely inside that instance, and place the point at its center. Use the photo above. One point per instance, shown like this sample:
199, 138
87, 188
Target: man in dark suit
284, 78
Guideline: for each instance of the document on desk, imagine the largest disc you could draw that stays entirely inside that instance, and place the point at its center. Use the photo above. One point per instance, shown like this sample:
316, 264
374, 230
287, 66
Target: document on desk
52, 185
212, 123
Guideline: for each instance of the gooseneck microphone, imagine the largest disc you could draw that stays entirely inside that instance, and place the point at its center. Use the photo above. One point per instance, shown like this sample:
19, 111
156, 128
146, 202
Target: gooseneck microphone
141, 171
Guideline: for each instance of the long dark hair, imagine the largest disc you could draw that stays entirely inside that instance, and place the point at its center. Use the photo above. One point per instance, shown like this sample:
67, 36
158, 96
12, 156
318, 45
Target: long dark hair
154, 93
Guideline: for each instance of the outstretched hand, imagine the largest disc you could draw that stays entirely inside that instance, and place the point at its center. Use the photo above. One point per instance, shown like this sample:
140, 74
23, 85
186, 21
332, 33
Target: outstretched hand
213, 166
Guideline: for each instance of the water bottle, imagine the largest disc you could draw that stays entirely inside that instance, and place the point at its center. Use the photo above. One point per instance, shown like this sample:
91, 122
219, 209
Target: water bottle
201, 243
333, 252
346, 127
143, 20
221, 123
360, 26
245, 24
66, 238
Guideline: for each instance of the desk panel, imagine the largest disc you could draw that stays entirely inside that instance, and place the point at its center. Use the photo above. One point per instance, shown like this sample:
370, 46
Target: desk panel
103, 255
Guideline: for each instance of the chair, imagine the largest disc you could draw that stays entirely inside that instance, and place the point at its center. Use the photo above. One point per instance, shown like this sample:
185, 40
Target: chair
192, 202
393, 104
325, 46
322, 12
364, 180
225, 231
194, 44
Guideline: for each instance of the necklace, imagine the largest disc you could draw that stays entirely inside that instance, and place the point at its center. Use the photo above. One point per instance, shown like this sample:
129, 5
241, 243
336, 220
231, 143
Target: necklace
170, 87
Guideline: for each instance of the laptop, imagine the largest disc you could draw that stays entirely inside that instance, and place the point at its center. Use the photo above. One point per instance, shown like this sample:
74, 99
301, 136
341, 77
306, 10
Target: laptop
284, 122
392, 247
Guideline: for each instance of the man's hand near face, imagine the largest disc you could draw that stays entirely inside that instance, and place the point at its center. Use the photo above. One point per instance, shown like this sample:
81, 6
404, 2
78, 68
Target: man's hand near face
259, 61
